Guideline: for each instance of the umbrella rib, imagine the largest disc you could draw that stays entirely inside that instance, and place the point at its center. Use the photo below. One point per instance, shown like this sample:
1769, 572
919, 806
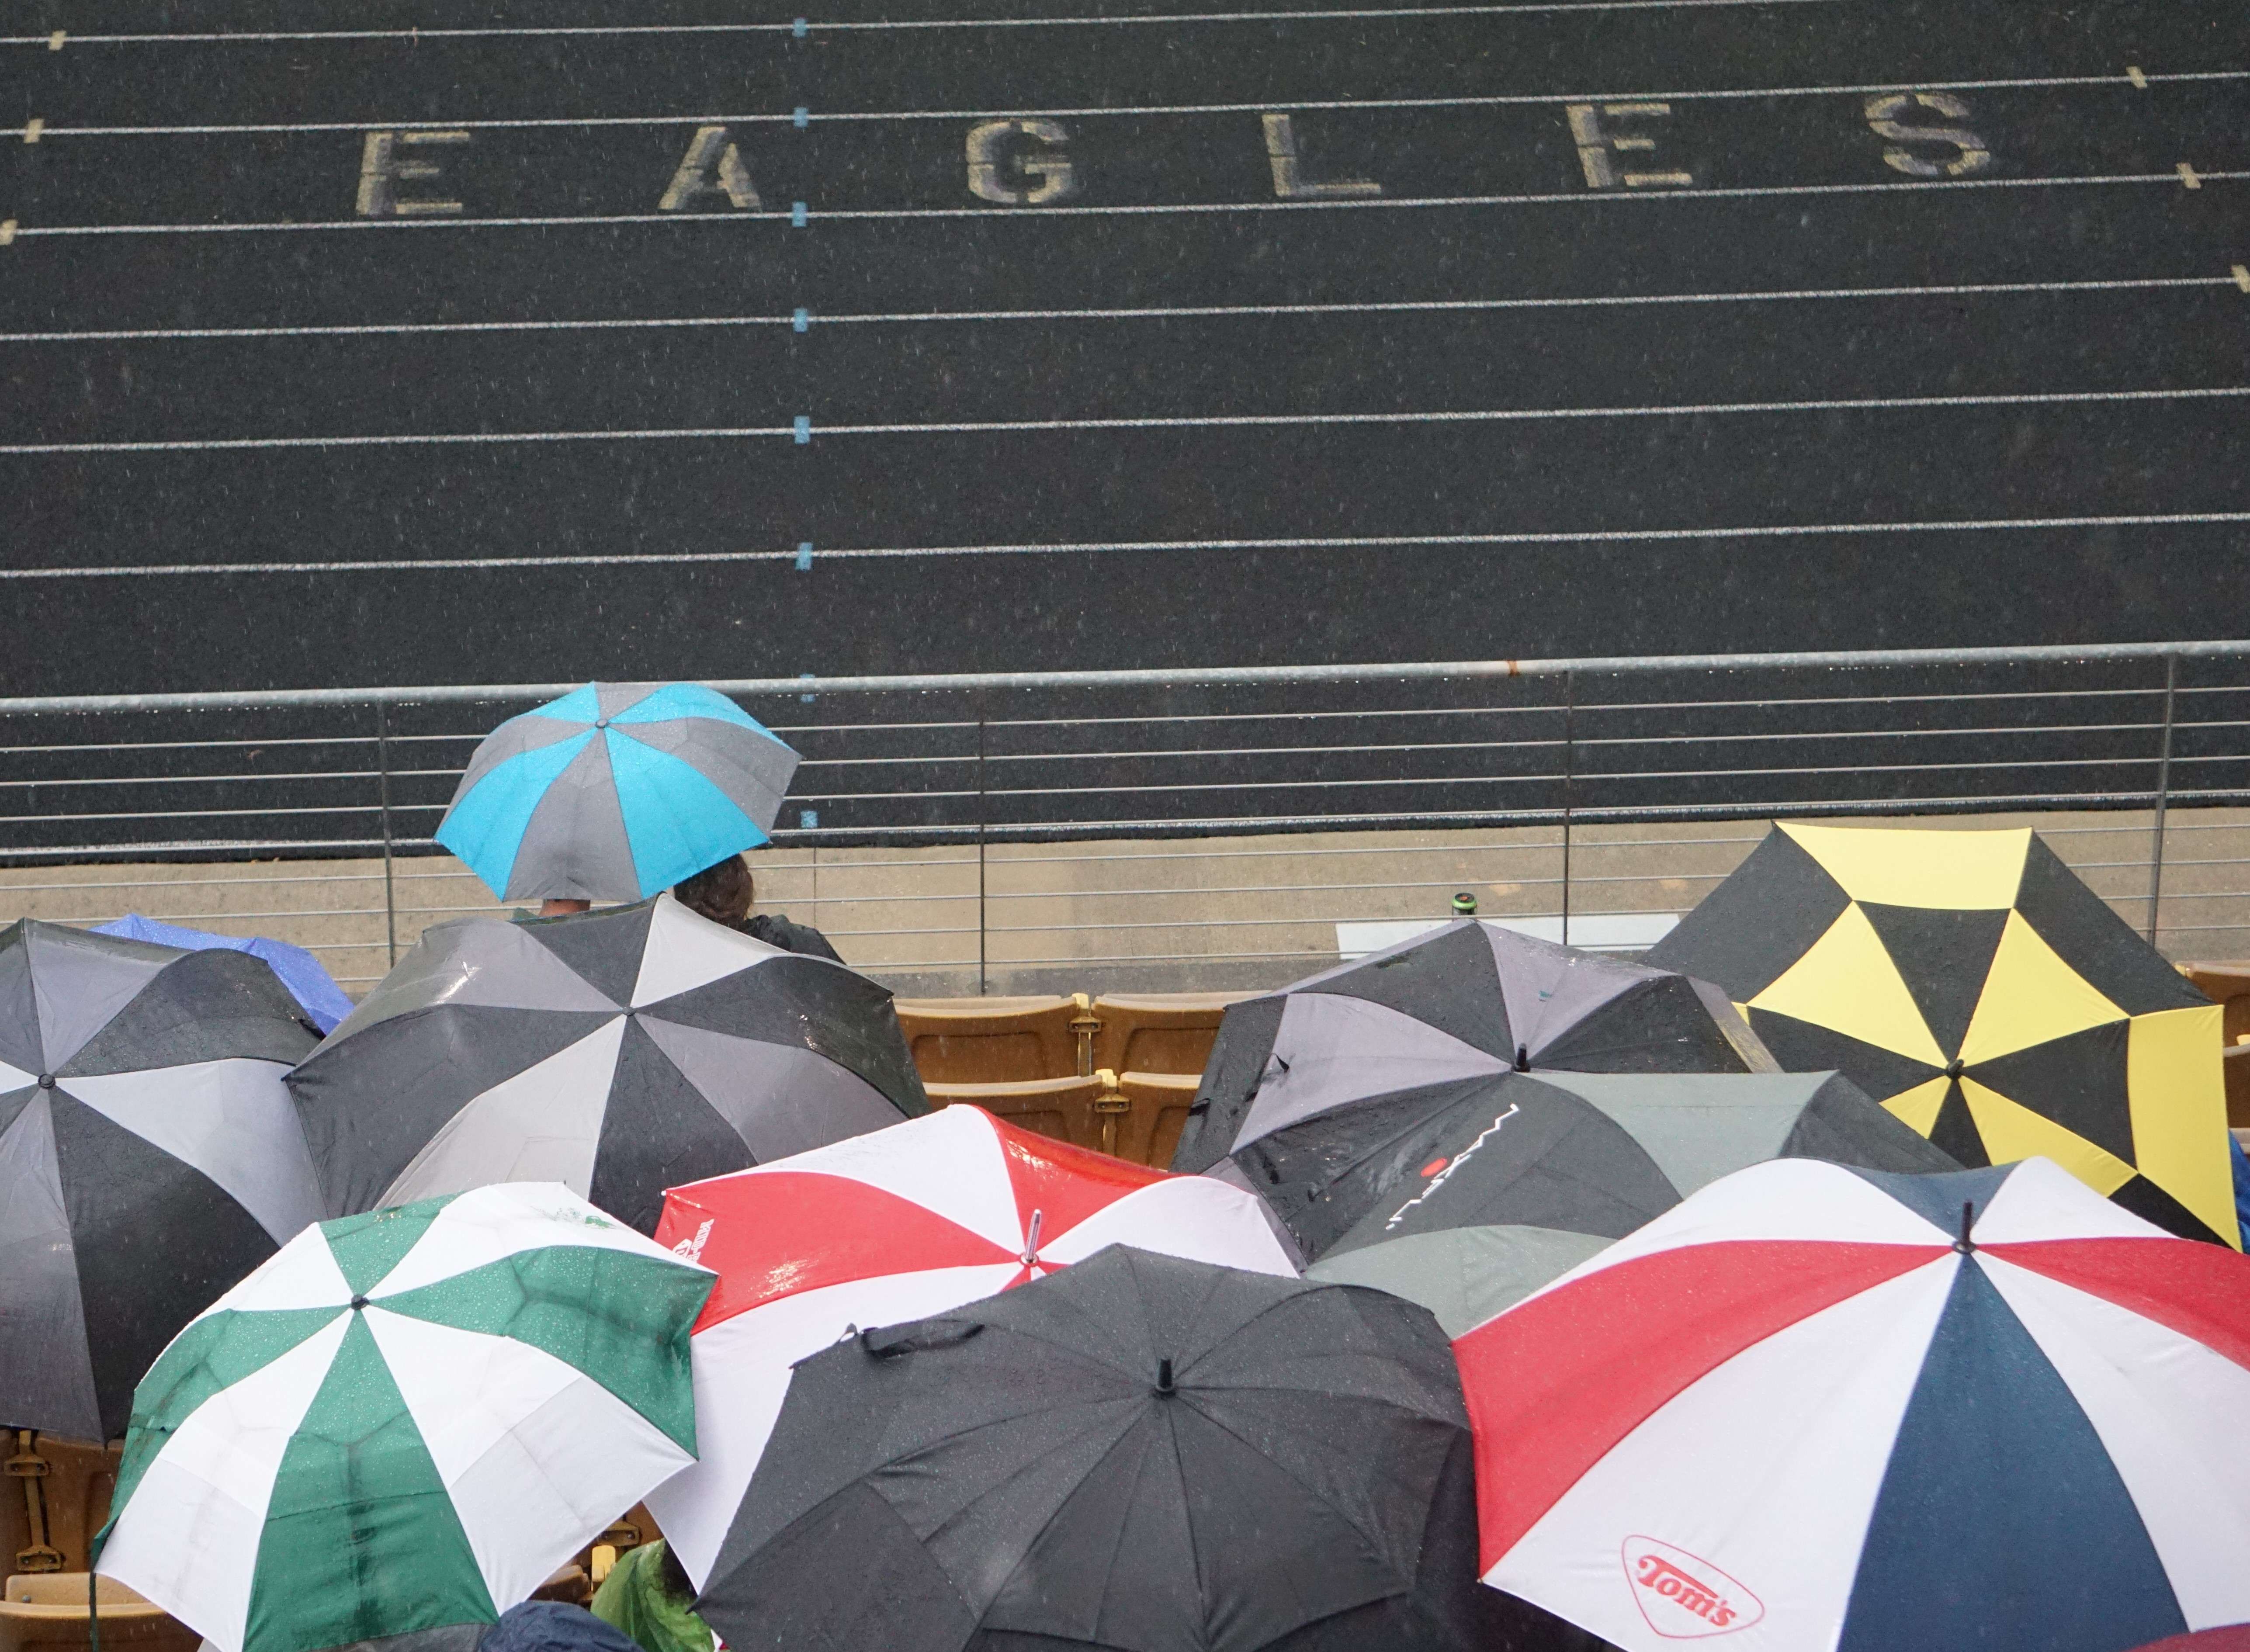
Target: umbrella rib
1310, 1491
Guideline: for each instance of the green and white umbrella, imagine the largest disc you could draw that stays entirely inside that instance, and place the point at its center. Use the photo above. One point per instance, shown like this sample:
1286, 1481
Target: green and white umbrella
405, 1422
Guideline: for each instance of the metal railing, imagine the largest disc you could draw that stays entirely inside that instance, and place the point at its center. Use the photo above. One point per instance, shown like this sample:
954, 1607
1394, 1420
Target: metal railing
1221, 827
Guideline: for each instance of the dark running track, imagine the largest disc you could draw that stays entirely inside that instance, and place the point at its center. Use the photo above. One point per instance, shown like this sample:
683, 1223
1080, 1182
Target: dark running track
1783, 391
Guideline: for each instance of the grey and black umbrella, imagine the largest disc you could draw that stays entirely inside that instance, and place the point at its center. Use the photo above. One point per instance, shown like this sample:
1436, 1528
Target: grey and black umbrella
1466, 1197
1138, 1452
149, 1157
1469, 1000
619, 1052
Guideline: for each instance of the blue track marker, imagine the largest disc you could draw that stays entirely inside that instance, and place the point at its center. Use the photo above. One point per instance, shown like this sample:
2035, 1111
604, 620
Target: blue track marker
808, 819
801, 320
804, 556
800, 28
806, 677
801, 118
797, 214
804, 430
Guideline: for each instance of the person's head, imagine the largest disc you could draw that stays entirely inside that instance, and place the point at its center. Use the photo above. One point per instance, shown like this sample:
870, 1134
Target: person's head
722, 894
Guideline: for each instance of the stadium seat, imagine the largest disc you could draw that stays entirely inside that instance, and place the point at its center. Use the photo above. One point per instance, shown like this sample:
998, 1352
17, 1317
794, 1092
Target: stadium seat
994, 1041
54, 1497
1158, 1032
45, 1612
1080, 1111
2228, 986
1157, 1111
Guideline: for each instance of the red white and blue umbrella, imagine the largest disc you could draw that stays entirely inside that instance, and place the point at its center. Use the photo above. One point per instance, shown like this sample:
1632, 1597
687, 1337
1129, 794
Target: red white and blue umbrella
1819, 1409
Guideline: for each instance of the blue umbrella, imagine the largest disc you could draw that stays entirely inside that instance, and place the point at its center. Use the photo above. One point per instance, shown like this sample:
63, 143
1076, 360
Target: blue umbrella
616, 791
313, 988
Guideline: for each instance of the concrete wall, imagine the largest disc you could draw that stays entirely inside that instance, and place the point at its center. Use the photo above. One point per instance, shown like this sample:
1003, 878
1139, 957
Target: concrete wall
1166, 915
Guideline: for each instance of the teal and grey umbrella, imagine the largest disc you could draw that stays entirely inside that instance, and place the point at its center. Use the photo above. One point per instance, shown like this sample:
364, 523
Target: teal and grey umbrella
404, 1421
616, 791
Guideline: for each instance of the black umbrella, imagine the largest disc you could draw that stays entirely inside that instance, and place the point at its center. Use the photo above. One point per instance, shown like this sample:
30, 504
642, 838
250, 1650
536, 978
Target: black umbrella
1466, 1197
1469, 1000
149, 1157
619, 1052
1137, 1452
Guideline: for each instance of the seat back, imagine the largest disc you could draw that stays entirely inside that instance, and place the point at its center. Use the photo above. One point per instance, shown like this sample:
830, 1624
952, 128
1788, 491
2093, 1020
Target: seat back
1069, 1110
988, 1041
1159, 1032
45, 1612
1157, 1111
53, 1499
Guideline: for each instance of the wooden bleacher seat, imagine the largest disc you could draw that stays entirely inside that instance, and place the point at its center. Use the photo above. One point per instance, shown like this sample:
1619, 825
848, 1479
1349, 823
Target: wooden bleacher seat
1158, 1032
45, 1612
2228, 986
1157, 1111
999, 1041
53, 1499
1080, 1111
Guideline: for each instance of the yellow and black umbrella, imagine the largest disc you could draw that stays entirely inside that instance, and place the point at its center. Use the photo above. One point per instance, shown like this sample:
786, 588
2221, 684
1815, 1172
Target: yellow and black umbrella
1970, 983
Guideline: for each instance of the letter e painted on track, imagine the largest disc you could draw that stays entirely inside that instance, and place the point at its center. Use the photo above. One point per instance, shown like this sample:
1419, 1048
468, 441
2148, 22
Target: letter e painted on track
389, 158
1599, 146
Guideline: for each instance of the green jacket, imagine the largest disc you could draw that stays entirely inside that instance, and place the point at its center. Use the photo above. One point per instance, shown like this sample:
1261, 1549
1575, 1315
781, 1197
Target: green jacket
638, 1597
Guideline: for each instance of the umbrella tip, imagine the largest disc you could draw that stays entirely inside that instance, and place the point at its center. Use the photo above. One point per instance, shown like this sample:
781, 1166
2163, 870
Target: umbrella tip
1164, 1376
1523, 1058
1964, 1244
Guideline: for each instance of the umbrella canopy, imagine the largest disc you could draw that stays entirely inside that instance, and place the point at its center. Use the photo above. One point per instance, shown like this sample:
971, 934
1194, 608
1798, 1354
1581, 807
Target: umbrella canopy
1970, 983
1138, 1452
405, 1420
148, 1157
1464, 1001
615, 791
1824, 1408
617, 1051
309, 983
904, 1223
1477, 1193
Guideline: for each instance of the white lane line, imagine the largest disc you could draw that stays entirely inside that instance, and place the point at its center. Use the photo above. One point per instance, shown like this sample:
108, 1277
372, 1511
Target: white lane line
1330, 542
788, 117
1152, 311
882, 25
1030, 214
803, 430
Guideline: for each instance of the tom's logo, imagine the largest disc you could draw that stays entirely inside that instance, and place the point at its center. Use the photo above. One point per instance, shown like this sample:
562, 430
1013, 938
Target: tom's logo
1683, 1597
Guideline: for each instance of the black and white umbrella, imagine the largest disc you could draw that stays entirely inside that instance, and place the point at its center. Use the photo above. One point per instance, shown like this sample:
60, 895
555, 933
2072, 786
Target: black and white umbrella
149, 1157
1469, 1000
618, 1052
1139, 1453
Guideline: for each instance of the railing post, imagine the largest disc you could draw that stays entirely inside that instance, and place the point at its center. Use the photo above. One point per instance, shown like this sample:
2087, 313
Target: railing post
2164, 796
980, 845
383, 792
1569, 719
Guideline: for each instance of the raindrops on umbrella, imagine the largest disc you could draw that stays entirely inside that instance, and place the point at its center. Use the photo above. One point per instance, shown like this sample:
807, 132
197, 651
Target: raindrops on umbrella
149, 1157
619, 1052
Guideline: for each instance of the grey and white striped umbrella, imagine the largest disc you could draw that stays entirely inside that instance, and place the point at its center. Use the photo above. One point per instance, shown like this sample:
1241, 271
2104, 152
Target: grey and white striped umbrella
619, 1052
616, 791
149, 1157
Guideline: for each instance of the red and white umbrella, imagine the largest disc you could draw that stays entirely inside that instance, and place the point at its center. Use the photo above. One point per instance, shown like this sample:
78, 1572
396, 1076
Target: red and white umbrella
897, 1225
1819, 1409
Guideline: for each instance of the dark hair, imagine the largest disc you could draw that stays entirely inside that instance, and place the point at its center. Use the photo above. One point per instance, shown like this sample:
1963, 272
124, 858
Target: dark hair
705, 885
